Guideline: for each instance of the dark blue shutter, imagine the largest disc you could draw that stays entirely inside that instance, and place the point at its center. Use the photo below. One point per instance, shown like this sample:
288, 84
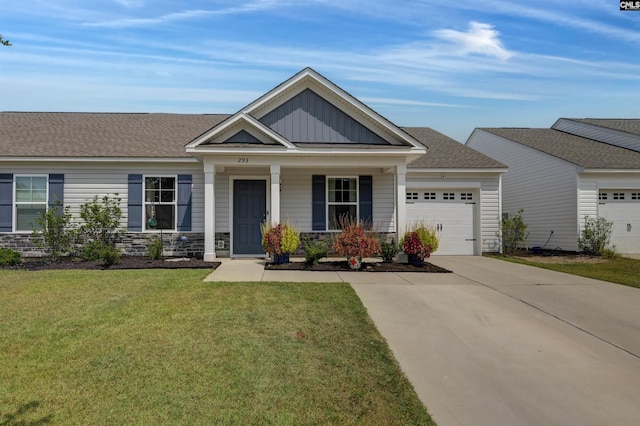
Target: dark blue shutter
6, 202
184, 202
366, 198
318, 203
134, 204
56, 190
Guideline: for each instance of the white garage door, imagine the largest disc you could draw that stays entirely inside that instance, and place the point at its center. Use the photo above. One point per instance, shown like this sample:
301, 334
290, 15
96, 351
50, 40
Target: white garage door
622, 207
450, 212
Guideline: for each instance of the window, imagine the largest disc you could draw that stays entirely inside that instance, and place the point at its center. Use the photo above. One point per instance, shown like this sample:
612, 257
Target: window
160, 202
31, 201
602, 196
429, 195
448, 196
618, 195
412, 195
635, 195
468, 196
342, 200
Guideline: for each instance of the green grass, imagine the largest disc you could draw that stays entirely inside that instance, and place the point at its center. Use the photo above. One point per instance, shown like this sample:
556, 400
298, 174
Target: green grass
621, 270
162, 347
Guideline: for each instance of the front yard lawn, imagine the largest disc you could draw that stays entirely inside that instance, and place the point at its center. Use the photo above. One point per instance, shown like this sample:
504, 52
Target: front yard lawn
162, 347
621, 270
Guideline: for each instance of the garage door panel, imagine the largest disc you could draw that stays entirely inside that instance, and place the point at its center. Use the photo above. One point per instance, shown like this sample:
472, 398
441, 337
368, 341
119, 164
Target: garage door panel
453, 218
622, 207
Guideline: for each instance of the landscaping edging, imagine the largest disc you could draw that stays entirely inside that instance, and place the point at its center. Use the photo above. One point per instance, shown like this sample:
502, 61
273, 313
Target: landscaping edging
343, 266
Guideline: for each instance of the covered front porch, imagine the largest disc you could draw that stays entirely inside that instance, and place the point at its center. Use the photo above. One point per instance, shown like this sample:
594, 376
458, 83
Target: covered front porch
242, 192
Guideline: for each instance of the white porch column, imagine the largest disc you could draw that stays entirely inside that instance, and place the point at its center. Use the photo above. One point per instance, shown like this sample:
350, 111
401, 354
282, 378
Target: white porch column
401, 200
275, 193
209, 211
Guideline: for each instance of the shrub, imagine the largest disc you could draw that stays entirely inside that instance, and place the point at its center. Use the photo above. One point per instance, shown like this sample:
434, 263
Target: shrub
110, 255
154, 251
280, 239
514, 232
412, 244
595, 236
314, 251
355, 240
56, 237
9, 257
389, 250
92, 251
421, 241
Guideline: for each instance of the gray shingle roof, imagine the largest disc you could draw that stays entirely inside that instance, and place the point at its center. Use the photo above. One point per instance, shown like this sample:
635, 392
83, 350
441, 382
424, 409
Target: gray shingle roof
628, 125
65, 134
446, 153
56, 134
581, 151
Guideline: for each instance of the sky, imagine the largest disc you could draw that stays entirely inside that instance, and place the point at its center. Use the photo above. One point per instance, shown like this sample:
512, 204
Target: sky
449, 65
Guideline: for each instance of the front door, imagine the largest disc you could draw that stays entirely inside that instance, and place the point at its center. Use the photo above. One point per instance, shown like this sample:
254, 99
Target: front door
249, 211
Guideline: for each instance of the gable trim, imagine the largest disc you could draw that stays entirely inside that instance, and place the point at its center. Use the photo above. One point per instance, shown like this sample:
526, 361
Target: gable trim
244, 122
305, 79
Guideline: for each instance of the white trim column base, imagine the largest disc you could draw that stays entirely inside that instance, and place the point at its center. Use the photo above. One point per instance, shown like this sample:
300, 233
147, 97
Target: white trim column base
209, 211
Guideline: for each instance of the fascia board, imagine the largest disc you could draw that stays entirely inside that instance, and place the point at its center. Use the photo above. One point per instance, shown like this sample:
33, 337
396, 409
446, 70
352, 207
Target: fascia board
455, 170
100, 159
615, 171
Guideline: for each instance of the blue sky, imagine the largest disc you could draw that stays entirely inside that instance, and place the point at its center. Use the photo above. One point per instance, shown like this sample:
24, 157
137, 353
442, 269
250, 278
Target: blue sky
449, 65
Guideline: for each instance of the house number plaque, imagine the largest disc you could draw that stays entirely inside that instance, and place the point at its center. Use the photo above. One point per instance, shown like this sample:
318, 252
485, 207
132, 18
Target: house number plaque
243, 160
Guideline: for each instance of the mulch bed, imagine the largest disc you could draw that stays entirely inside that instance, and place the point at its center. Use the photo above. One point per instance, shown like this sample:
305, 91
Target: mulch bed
343, 266
126, 262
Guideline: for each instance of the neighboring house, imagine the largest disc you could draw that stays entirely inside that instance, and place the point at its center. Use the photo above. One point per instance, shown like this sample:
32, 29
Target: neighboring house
576, 169
306, 152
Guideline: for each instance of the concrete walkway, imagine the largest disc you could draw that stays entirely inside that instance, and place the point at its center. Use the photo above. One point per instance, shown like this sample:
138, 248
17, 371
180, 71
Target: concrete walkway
497, 343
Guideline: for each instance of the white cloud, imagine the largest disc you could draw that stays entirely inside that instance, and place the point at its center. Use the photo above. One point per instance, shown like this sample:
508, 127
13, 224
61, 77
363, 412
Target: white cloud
255, 6
480, 39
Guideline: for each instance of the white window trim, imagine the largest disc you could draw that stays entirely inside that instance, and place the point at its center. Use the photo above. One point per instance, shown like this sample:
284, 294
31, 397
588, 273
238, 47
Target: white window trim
144, 203
327, 202
16, 202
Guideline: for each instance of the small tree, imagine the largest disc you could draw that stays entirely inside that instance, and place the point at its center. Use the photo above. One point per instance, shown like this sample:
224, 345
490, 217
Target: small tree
54, 235
101, 218
514, 232
101, 225
595, 236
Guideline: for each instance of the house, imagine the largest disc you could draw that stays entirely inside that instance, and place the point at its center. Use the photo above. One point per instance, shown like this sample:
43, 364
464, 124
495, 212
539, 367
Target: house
578, 168
306, 152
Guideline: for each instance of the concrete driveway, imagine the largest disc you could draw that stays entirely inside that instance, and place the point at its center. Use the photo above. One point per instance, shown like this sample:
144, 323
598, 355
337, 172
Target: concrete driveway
497, 343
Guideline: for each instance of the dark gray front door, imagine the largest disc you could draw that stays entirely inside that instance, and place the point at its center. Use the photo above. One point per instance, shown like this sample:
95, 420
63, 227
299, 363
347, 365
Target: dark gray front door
249, 211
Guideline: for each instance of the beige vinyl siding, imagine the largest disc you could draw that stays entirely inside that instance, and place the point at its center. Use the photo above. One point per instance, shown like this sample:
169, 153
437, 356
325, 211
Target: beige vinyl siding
84, 181
295, 196
542, 185
489, 213
222, 203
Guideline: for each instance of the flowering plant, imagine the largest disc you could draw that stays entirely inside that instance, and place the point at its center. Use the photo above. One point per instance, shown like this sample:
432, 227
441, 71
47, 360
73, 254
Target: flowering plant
422, 242
413, 245
353, 241
280, 239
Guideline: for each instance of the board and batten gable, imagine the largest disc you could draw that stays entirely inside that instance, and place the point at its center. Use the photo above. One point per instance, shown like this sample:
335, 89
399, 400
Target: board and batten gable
598, 133
309, 118
83, 181
543, 185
